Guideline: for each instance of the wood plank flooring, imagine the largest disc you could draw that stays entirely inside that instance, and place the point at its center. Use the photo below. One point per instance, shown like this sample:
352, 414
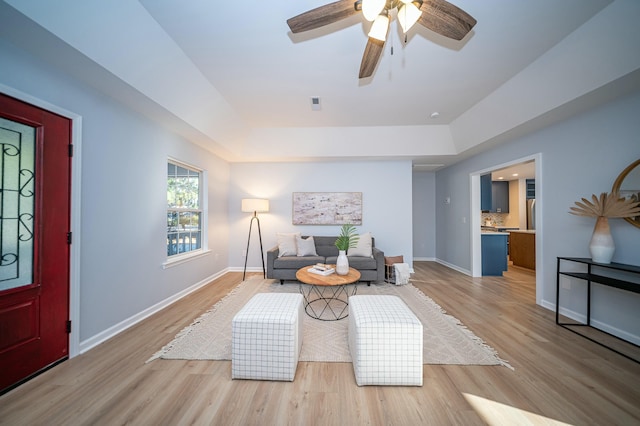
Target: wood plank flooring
557, 377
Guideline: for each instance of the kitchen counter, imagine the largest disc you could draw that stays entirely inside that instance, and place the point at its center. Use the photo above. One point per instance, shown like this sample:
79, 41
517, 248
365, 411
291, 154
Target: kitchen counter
525, 231
499, 228
522, 248
493, 233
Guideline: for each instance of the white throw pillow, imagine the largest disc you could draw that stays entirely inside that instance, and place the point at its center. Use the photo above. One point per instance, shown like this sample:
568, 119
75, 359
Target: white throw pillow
306, 247
287, 244
363, 248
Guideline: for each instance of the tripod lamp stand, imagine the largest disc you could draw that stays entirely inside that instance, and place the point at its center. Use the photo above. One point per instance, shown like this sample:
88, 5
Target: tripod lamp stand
254, 205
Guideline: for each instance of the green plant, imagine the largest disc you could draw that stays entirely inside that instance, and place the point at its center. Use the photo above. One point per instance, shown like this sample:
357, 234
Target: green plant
347, 238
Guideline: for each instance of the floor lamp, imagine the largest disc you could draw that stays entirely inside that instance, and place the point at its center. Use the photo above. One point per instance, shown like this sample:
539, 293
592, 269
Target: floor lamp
254, 205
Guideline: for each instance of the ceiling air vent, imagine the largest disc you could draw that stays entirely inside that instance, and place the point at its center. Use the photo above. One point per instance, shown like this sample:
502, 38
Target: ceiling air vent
315, 104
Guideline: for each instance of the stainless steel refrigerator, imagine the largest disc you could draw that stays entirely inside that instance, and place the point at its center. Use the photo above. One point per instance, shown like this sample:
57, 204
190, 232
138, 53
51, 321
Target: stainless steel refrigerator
531, 213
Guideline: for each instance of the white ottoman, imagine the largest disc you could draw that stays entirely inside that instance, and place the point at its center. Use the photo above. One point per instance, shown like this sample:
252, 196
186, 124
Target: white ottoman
385, 341
266, 337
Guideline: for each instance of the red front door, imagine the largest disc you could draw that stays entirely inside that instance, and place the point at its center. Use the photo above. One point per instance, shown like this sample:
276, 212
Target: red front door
35, 183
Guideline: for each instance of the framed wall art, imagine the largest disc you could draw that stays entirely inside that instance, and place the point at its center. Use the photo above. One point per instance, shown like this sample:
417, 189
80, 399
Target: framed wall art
327, 208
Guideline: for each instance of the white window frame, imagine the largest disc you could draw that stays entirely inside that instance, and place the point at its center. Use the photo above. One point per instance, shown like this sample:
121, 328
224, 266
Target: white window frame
180, 258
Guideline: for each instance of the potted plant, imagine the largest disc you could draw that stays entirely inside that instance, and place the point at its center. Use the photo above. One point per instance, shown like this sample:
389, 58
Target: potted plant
608, 205
347, 239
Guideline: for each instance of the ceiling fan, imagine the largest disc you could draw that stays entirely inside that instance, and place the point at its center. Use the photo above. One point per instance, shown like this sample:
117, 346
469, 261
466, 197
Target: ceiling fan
439, 16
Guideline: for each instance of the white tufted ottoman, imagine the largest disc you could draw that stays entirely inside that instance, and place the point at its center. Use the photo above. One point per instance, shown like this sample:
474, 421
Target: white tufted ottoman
385, 341
266, 337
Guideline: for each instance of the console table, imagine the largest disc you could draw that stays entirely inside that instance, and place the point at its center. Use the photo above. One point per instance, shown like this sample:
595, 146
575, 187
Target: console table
597, 278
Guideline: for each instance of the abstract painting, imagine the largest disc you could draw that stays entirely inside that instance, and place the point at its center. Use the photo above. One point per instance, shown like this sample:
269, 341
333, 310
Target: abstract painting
327, 208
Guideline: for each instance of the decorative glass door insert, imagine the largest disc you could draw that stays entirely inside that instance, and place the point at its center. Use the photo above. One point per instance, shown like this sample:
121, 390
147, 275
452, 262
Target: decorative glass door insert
17, 203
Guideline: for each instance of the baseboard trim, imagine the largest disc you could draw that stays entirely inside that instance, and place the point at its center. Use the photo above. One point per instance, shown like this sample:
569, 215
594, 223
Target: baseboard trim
110, 332
616, 332
549, 305
454, 267
241, 269
582, 318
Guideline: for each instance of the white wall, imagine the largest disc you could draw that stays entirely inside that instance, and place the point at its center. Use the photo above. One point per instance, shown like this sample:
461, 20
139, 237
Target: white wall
580, 156
424, 215
123, 201
386, 199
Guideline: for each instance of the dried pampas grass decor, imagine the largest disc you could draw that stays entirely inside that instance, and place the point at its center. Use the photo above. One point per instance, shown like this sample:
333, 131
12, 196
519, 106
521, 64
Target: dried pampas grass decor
608, 205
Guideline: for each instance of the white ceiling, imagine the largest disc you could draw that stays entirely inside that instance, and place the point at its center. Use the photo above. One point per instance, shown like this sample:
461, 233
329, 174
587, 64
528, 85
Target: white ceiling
525, 170
233, 78
269, 74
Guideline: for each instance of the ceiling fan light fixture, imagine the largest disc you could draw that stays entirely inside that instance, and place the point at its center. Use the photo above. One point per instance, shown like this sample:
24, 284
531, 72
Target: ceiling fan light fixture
408, 14
380, 28
372, 8
439, 16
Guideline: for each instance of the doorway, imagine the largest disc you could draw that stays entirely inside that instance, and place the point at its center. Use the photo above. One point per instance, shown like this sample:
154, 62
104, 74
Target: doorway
522, 205
35, 196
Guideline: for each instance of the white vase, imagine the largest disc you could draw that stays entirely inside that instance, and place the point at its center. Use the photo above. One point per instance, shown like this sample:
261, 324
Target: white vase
342, 263
602, 245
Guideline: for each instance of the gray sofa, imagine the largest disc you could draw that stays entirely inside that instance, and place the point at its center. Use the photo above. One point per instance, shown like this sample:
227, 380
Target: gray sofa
284, 268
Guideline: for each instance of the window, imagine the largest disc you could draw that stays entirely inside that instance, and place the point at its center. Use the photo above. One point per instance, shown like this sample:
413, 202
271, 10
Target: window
184, 209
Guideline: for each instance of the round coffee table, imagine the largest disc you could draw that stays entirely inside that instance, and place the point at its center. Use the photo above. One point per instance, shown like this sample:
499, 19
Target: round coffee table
326, 297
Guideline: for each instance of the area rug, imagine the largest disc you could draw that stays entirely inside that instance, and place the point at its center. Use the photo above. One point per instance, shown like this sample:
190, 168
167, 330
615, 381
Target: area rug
446, 340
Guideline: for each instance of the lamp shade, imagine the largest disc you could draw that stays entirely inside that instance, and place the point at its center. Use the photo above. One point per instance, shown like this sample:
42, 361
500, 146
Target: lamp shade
372, 8
380, 28
251, 205
408, 15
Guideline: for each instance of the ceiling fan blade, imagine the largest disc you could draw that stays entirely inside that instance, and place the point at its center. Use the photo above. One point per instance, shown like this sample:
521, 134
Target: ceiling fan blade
446, 19
323, 15
370, 57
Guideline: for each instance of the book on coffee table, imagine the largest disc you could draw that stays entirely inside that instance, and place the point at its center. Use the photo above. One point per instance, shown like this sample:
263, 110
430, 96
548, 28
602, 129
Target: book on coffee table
322, 266
323, 272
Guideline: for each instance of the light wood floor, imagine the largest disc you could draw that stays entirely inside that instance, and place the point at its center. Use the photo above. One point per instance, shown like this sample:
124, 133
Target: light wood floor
558, 376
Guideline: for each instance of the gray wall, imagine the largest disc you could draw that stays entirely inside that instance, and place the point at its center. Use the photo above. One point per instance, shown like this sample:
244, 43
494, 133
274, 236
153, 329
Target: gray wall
580, 156
123, 199
424, 215
386, 199
123, 202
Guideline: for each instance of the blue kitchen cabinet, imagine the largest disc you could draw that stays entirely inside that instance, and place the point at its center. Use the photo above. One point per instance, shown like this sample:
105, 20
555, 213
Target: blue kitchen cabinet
500, 197
485, 192
494, 253
494, 196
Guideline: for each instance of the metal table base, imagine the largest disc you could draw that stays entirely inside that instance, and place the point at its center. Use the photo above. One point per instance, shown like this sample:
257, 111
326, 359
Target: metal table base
327, 303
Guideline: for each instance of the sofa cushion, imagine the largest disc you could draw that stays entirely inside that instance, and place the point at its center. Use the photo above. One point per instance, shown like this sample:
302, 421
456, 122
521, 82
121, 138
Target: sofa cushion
306, 247
357, 262
326, 246
287, 244
363, 246
296, 262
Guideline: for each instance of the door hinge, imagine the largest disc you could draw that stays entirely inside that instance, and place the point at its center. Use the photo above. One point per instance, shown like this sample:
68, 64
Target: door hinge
69, 237
70, 150
69, 326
